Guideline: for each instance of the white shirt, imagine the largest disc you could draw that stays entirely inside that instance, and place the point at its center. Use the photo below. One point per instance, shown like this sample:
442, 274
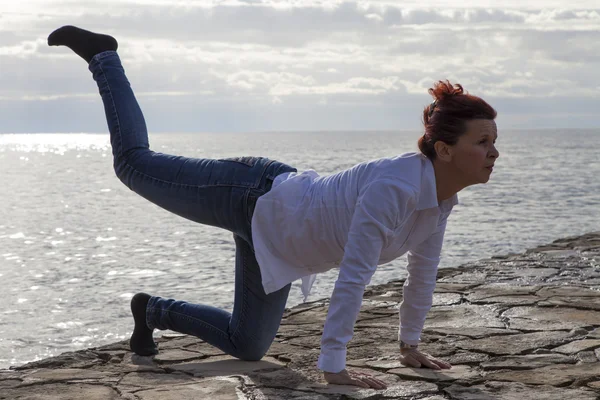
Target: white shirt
356, 220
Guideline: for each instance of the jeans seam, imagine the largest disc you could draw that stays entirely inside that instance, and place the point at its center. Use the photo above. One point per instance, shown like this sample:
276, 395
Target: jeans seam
112, 102
203, 323
244, 309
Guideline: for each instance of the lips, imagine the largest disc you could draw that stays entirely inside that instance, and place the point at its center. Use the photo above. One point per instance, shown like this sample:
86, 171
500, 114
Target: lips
490, 168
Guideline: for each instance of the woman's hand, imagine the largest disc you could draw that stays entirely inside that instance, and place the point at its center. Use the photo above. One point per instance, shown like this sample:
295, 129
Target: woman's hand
414, 358
345, 377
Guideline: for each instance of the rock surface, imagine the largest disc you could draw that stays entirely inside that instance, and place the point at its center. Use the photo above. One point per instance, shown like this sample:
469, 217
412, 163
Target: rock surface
515, 327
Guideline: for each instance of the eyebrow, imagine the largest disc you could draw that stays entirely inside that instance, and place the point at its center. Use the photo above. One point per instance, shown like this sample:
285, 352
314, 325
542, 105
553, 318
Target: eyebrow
488, 134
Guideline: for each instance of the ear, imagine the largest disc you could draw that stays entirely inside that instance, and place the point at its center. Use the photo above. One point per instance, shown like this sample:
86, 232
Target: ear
443, 151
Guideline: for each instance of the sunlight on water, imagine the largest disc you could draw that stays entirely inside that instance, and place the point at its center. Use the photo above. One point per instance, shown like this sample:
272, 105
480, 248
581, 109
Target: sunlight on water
56, 143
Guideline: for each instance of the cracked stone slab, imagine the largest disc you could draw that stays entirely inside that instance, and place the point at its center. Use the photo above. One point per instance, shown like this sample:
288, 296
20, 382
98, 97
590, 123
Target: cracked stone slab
556, 375
463, 316
8, 383
177, 355
587, 357
383, 364
62, 391
578, 345
515, 344
472, 332
529, 361
516, 391
401, 390
136, 380
500, 290
594, 385
539, 319
226, 366
80, 359
457, 372
215, 389
451, 287
446, 299
587, 303
310, 317
524, 300
270, 393
567, 291
466, 357
64, 375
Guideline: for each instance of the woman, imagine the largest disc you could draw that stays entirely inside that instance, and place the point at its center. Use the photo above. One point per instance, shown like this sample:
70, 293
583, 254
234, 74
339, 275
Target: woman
288, 225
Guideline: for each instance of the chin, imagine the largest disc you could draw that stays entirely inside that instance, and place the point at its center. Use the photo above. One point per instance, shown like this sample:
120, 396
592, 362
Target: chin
485, 179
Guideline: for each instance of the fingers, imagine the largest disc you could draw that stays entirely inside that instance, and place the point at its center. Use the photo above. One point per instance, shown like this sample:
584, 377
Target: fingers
442, 364
375, 383
417, 359
370, 381
410, 361
355, 379
358, 382
429, 363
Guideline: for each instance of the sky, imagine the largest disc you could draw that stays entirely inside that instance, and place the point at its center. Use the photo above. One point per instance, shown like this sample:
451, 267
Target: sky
296, 65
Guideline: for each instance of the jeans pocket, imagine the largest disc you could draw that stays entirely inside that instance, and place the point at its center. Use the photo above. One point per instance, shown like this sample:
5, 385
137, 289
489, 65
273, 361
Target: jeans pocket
249, 161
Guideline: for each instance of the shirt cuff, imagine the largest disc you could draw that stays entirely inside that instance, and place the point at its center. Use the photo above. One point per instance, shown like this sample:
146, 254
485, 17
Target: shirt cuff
332, 360
413, 339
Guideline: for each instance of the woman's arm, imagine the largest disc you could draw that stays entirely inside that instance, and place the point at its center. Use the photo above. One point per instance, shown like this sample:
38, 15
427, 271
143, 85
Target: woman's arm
418, 290
378, 212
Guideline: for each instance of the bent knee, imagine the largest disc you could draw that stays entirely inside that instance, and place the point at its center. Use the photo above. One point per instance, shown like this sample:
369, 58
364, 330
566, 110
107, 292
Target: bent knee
252, 354
253, 351
126, 164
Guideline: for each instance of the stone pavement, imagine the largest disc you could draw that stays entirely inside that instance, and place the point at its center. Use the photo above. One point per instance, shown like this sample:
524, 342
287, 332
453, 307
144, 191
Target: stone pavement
520, 327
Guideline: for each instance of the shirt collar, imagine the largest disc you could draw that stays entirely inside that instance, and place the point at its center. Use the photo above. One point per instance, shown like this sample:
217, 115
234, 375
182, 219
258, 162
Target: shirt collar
428, 192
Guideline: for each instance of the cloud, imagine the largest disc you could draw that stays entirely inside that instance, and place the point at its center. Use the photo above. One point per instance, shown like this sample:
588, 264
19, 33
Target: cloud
265, 58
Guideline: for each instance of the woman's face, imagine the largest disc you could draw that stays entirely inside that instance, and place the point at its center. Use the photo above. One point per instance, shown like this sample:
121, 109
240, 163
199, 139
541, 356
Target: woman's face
474, 154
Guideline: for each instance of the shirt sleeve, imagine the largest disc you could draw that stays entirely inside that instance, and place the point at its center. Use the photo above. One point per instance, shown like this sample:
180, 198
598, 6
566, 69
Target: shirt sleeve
377, 213
418, 288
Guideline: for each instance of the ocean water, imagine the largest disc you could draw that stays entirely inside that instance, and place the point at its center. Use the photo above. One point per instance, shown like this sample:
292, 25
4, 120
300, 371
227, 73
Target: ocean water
76, 244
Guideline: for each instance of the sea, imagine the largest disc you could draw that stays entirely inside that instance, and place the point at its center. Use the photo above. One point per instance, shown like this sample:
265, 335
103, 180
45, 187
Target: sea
76, 244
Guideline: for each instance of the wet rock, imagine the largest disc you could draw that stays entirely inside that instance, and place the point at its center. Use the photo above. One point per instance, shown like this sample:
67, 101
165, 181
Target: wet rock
176, 355
529, 361
465, 357
457, 372
61, 391
555, 375
516, 391
515, 344
226, 366
463, 316
215, 389
594, 334
401, 390
472, 332
137, 380
446, 299
546, 319
577, 346
586, 357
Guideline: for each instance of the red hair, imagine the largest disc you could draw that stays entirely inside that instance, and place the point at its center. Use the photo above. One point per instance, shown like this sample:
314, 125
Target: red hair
445, 118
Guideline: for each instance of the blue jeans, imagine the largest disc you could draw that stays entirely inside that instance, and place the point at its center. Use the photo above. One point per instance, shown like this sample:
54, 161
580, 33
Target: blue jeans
217, 192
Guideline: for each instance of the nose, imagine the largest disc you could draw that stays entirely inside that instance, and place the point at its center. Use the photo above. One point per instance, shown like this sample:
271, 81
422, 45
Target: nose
494, 153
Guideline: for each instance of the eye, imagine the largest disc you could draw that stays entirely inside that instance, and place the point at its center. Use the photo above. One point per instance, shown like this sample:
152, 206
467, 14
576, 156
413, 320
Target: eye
483, 141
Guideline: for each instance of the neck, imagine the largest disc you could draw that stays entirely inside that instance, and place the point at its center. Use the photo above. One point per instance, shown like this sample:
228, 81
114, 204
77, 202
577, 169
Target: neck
445, 181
